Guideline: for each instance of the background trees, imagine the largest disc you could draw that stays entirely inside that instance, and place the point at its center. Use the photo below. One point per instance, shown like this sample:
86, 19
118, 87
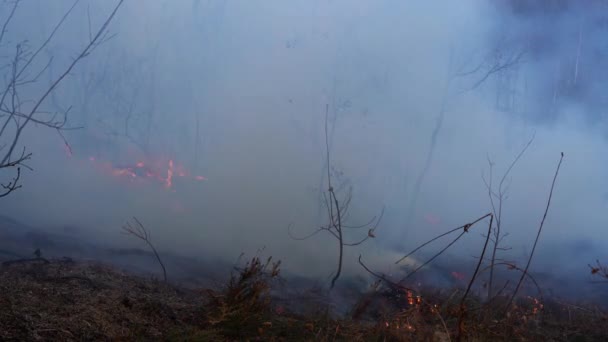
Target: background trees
23, 96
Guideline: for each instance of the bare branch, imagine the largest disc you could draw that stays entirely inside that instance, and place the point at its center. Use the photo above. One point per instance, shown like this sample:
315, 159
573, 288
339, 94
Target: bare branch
466, 293
501, 197
83, 54
337, 212
540, 229
12, 185
8, 20
139, 231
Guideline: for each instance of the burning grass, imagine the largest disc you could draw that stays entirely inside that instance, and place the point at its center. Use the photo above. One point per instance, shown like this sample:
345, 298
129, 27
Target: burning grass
66, 300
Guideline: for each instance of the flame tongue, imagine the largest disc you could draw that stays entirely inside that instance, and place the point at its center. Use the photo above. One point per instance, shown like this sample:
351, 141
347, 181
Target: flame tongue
141, 171
169, 181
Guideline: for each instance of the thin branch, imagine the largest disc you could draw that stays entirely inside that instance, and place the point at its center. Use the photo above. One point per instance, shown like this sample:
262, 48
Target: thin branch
12, 185
466, 293
512, 266
338, 211
540, 229
438, 254
501, 198
464, 227
139, 231
428, 242
82, 55
383, 277
499, 66
8, 20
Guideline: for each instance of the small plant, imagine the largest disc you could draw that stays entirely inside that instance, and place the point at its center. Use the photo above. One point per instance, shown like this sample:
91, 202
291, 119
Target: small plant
242, 306
337, 214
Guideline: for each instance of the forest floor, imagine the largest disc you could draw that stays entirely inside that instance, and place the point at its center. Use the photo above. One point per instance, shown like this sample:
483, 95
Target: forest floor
68, 300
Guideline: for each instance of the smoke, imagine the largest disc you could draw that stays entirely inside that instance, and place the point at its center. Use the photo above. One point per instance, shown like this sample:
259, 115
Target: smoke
235, 92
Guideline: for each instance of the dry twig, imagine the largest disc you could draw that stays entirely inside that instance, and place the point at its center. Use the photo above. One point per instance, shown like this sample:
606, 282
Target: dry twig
139, 231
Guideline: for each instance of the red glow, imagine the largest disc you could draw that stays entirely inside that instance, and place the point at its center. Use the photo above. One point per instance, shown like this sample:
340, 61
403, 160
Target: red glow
458, 275
68, 150
143, 171
432, 219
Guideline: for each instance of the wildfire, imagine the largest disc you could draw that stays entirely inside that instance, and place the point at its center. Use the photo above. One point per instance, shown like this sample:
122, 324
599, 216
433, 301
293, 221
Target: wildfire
413, 300
398, 325
537, 306
140, 171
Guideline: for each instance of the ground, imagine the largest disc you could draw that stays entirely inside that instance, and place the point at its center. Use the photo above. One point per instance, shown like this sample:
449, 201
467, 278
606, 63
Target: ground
69, 300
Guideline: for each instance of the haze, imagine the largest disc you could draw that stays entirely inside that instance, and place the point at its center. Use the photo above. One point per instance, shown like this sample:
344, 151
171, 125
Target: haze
234, 93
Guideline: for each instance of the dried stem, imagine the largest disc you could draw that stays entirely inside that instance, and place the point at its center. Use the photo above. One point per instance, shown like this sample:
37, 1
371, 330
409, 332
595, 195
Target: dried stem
337, 213
466, 293
498, 214
540, 229
465, 229
139, 231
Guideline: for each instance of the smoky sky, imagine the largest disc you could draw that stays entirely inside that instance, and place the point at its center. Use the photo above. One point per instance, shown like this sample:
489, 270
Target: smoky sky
236, 91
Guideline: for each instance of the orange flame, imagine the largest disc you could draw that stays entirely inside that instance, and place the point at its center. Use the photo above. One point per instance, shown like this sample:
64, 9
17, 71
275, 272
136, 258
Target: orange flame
537, 306
142, 170
413, 300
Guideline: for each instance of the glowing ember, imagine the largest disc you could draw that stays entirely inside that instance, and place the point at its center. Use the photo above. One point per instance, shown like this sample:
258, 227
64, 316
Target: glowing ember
537, 306
458, 275
413, 300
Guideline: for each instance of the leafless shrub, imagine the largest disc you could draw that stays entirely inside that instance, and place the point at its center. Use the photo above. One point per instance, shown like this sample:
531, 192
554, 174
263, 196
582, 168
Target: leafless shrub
138, 230
337, 212
497, 199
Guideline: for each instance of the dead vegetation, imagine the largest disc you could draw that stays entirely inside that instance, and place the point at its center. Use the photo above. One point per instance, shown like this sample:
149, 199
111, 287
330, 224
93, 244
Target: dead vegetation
59, 299
66, 300
338, 212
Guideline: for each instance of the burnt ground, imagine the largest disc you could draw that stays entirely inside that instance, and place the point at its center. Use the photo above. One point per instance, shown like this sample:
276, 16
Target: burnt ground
67, 300
91, 296
64, 300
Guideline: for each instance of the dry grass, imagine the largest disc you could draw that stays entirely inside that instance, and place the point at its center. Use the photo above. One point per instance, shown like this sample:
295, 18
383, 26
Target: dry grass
67, 301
